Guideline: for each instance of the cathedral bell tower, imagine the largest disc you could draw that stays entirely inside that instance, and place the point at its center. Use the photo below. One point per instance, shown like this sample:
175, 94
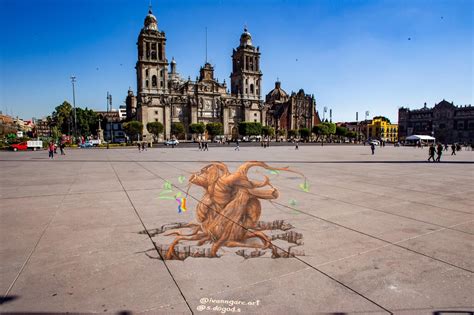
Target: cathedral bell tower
152, 65
246, 77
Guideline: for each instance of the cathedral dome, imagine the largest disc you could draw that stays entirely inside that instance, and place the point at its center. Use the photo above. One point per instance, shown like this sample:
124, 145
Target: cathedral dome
245, 38
277, 94
150, 21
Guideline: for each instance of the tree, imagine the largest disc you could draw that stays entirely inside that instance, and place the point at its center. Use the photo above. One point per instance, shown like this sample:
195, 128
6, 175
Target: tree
268, 131
247, 128
197, 128
292, 133
304, 133
63, 117
320, 130
351, 134
177, 129
331, 127
341, 131
214, 129
133, 128
87, 121
281, 132
155, 128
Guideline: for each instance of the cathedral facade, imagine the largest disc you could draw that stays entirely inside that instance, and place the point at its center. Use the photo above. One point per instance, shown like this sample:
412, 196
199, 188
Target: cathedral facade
164, 96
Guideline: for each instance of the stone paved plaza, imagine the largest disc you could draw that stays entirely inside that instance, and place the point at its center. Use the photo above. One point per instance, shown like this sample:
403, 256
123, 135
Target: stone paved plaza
389, 233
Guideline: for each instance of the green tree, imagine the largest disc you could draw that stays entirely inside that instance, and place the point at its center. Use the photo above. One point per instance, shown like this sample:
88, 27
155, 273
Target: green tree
63, 117
197, 128
351, 134
320, 131
292, 133
87, 121
177, 129
341, 132
331, 127
268, 131
214, 129
247, 128
281, 132
304, 133
133, 128
155, 128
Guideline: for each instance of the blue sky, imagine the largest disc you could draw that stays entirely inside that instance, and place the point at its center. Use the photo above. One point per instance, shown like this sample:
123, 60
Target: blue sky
352, 55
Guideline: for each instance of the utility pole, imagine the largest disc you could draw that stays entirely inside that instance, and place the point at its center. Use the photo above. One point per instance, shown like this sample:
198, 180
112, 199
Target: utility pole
367, 123
109, 107
73, 80
357, 126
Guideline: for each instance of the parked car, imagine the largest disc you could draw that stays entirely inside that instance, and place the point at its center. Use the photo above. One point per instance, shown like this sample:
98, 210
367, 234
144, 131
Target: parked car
95, 142
172, 142
374, 142
19, 146
86, 144
23, 146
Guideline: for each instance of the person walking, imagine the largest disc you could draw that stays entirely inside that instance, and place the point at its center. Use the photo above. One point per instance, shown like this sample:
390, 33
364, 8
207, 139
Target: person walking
143, 146
51, 150
237, 146
431, 152
372, 147
206, 147
200, 145
296, 145
439, 150
453, 148
61, 147
446, 148
139, 147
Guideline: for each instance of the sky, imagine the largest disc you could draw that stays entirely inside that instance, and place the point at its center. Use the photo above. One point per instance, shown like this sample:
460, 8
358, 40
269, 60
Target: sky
354, 56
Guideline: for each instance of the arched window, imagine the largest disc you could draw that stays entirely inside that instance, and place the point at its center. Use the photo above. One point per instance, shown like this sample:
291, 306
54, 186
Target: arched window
251, 89
160, 51
146, 72
153, 81
146, 83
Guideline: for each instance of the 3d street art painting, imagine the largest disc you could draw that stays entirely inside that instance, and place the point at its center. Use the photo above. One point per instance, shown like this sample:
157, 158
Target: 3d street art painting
227, 216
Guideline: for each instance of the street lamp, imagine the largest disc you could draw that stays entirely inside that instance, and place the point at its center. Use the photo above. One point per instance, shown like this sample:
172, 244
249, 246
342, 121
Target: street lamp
73, 80
367, 123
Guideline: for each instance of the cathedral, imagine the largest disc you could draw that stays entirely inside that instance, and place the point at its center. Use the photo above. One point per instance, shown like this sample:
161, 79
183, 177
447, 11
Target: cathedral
164, 96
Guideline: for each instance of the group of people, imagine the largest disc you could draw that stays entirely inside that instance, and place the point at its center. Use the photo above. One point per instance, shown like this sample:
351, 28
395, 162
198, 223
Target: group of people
438, 150
203, 146
53, 148
141, 146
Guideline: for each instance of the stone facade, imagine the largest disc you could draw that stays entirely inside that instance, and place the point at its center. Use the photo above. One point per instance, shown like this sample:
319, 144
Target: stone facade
446, 122
164, 96
295, 111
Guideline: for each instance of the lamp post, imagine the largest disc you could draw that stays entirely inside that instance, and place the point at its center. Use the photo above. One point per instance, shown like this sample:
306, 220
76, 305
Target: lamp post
73, 80
367, 123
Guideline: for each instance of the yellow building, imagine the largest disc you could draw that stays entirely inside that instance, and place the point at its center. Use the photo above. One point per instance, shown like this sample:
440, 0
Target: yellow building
381, 129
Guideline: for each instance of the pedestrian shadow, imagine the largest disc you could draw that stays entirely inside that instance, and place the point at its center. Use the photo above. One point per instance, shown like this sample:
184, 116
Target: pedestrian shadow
8, 298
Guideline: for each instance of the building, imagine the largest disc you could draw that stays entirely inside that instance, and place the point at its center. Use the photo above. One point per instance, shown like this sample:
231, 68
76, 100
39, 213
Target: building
445, 121
111, 124
7, 125
42, 128
164, 96
122, 112
381, 128
287, 112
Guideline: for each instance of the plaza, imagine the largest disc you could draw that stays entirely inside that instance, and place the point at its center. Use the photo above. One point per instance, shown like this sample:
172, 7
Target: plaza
383, 233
